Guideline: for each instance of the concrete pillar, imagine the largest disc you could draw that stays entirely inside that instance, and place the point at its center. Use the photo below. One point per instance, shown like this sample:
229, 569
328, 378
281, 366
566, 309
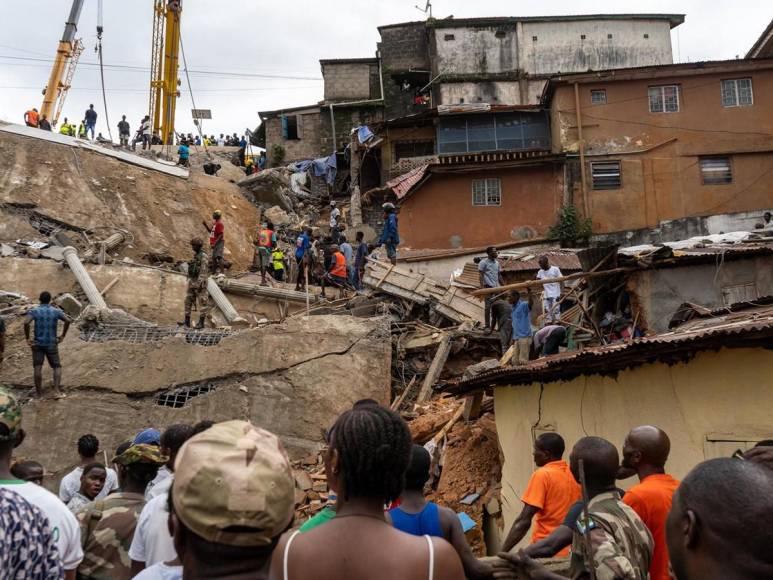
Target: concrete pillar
224, 304
109, 244
93, 295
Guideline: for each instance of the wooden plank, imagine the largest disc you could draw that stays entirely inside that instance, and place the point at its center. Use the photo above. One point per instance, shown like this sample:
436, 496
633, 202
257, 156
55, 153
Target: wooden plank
110, 284
381, 280
399, 400
508, 356
535, 283
472, 403
441, 356
451, 422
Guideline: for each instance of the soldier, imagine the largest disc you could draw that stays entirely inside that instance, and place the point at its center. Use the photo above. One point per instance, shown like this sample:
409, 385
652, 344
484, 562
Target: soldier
198, 274
621, 545
107, 525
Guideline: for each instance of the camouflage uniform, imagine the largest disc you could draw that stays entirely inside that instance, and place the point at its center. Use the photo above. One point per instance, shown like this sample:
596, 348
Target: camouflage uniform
620, 542
107, 525
198, 274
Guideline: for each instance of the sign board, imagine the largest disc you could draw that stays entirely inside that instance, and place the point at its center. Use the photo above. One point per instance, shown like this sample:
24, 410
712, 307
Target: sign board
201, 113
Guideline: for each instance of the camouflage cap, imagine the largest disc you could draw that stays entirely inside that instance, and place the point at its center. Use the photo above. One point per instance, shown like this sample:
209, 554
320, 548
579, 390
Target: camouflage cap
234, 475
141, 453
10, 414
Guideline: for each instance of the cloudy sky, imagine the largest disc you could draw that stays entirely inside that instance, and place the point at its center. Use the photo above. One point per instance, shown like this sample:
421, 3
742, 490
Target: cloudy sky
251, 55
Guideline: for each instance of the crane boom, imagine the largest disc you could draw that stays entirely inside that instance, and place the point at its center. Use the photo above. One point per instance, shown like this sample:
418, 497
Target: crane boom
164, 66
64, 67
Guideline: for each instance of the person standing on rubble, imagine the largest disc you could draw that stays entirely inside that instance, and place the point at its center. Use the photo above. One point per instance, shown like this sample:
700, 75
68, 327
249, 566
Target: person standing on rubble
67, 129
216, 240
417, 516
45, 344
82, 130
31, 117
336, 275
521, 325
184, 154
198, 274
550, 493
302, 257
348, 252
124, 131
91, 120
278, 264
265, 241
360, 259
548, 338
44, 124
551, 291
502, 318
390, 236
335, 216
490, 275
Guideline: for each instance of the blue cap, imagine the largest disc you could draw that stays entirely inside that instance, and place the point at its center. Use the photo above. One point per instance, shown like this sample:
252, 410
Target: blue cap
148, 436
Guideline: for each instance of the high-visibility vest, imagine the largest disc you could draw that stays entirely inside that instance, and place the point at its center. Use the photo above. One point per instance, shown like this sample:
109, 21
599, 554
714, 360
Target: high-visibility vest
264, 238
278, 259
338, 268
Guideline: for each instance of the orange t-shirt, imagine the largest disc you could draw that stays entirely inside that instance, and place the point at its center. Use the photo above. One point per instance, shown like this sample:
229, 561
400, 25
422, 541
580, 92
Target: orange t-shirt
552, 489
338, 267
651, 500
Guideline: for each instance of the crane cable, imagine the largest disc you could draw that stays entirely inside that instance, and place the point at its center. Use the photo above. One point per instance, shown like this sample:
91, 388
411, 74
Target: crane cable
98, 49
193, 101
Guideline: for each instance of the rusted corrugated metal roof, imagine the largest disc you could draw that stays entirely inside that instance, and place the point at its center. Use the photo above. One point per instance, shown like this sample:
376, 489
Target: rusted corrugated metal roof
752, 327
403, 184
566, 262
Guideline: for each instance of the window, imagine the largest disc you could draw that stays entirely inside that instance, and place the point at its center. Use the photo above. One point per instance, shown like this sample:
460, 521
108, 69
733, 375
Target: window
646, 35
664, 99
609, 36
449, 37
582, 37
414, 149
485, 132
606, 175
737, 93
598, 97
739, 293
290, 127
534, 39
500, 34
716, 170
486, 192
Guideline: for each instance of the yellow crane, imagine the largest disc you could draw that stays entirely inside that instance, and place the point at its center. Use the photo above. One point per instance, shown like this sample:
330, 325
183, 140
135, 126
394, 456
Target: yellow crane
164, 84
67, 54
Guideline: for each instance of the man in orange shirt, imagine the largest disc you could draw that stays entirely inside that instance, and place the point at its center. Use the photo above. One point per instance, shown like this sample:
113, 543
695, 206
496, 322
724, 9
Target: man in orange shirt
645, 451
337, 274
551, 491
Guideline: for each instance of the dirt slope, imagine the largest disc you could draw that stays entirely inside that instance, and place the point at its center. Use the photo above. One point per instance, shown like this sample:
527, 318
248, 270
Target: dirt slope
96, 192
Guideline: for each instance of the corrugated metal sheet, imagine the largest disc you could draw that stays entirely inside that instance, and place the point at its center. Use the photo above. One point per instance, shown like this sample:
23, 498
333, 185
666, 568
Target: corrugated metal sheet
566, 262
402, 185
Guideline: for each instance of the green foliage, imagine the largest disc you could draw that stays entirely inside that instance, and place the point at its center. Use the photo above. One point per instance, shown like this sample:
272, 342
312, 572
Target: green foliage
277, 155
571, 229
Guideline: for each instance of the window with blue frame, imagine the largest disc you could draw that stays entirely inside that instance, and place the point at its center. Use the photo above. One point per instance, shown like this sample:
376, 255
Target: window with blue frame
490, 132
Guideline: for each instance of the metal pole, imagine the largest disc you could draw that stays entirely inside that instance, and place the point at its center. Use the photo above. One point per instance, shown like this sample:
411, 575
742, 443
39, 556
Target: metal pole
225, 306
85, 281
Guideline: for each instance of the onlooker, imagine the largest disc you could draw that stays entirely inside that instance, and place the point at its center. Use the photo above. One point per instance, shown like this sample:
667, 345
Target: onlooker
44, 124
30, 471
551, 291
390, 236
92, 482
151, 436
620, 543
490, 275
152, 542
366, 461
335, 216
348, 252
31, 118
91, 120
27, 541
88, 448
63, 524
143, 134
183, 154
719, 525
264, 242
548, 338
521, 325
767, 221
302, 257
46, 342
645, 452
418, 517
124, 131
216, 240
224, 531
360, 259
221, 141
550, 493
107, 525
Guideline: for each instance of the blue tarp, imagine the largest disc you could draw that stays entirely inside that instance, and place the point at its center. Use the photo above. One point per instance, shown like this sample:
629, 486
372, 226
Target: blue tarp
364, 134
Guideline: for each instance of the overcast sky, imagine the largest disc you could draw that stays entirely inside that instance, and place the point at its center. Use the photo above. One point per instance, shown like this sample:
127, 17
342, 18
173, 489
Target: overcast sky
253, 55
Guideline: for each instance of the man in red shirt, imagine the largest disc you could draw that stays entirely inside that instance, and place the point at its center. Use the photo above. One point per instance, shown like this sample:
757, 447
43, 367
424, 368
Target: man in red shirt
337, 274
216, 240
645, 452
551, 491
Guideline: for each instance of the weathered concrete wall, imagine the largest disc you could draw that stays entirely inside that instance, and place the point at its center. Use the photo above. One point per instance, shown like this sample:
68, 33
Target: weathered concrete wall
494, 92
307, 146
662, 291
716, 395
560, 47
293, 379
440, 214
403, 48
472, 50
349, 80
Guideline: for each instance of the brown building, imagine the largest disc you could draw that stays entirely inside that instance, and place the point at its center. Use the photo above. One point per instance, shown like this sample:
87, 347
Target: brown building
763, 48
685, 149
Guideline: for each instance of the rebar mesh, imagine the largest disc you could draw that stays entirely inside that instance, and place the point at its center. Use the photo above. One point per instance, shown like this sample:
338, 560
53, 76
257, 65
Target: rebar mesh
179, 397
136, 334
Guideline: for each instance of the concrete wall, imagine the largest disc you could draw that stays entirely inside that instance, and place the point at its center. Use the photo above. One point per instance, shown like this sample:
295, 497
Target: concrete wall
307, 146
349, 81
717, 395
660, 153
403, 48
472, 50
440, 214
495, 92
661, 292
560, 47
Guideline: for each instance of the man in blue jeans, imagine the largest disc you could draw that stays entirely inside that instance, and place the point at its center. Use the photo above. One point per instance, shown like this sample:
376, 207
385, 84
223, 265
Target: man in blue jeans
91, 120
390, 236
45, 344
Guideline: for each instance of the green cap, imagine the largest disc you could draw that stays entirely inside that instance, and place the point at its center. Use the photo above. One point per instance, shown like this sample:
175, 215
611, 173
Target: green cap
234, 474
141, 453
10, 414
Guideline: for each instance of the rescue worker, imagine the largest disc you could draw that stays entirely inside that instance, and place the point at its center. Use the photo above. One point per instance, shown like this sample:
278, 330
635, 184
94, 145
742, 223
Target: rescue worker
67, 129
278, 264
336, 276
390, 237
31, 118
198, 274
82, 130
216, 239
264, 242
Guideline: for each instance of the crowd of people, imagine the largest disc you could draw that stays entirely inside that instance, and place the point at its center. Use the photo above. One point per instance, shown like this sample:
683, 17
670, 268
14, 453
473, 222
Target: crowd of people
216, 500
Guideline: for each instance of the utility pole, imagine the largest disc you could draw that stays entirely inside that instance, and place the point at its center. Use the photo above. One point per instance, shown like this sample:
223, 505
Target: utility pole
355, 208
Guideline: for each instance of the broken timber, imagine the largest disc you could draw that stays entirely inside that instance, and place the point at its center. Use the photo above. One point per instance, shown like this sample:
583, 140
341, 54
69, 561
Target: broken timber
433, 374
534, 283
247, 289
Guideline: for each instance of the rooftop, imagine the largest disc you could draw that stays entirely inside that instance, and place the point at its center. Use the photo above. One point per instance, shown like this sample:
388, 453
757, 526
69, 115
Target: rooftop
366, 60
744, 325
763, 48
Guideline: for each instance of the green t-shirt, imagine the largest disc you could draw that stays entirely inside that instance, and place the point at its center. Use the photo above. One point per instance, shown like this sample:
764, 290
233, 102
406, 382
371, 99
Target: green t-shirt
322, 517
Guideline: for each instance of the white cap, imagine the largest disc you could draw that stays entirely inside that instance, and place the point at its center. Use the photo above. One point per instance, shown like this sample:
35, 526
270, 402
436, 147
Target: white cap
333, 203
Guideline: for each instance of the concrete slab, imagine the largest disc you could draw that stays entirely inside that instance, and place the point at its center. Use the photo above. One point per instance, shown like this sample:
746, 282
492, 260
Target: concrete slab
125, 156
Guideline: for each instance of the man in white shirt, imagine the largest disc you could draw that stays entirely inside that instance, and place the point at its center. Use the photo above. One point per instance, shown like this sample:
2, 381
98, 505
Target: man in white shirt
221, 141
63, 524
551, 291
88, 448
152, 542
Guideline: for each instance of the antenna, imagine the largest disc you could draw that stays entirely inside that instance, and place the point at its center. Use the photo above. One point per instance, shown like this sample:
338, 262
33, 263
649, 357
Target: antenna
427, 9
